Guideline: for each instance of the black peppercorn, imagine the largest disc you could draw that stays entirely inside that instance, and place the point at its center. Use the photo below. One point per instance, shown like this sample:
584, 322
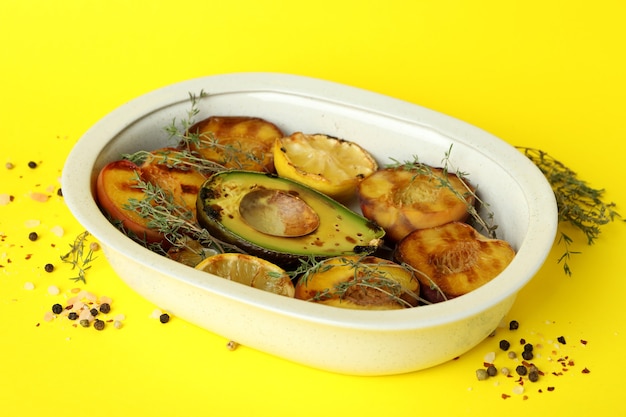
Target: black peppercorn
33, 236
561, 340
48, 267
57, 309
521, 370
504, 345
105, 308
98, 324
32, 164
94, 312
533, 376
72, 316
492, 370
528, 347
164, 318
60, 192
527, 354
513, 325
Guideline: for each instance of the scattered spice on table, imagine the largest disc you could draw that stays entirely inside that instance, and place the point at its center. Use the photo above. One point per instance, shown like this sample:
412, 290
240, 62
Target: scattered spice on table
525, 371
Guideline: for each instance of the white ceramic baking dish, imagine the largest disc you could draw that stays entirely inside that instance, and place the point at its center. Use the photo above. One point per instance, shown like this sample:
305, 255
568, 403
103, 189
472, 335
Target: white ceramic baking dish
334, 339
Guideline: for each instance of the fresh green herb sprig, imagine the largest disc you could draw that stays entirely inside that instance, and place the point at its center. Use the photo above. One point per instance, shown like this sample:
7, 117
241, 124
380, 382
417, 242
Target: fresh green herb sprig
365, 276
170, 217
180, 130
178, 159
231, 153
78, 257
419, 168
579, 204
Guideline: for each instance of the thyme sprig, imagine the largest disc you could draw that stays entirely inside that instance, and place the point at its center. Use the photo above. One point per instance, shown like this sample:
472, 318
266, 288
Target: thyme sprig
178, 159
366, 276
421, 169
171, 218
231, 153
579, 204
180, 130
78, 258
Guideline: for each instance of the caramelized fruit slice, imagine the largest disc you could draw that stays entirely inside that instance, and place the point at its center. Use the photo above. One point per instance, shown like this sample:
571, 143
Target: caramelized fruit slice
365, 283
116, 184
237, 142
453, 259
401, 200
182, 183
249, 270
327, 164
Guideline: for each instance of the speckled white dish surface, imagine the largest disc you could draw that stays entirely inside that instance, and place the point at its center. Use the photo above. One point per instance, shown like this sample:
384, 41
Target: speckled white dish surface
338, 340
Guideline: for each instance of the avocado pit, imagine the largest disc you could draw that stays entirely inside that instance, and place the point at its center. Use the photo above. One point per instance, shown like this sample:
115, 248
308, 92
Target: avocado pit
278, 213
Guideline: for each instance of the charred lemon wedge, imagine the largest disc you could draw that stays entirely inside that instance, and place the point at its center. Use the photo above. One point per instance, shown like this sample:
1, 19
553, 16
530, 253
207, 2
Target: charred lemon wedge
327, 164
281, 220
249, 270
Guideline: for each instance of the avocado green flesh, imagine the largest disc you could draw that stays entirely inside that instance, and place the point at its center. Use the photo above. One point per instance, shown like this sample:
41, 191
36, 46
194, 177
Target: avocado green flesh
340, 232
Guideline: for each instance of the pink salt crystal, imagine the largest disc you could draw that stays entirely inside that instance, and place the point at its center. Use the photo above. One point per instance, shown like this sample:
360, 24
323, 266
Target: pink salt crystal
91, 297
40, 197
53, 290
104, 299
29, 286
57, 231
49, 316
32, 223
85, 315
4, 199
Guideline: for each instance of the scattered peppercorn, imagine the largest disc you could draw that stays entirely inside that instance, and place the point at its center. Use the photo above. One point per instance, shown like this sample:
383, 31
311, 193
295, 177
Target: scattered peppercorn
32, 164
94, 312
73, 315
60, 192
57, 309
521, 370
512, 355
513, 325
528, 347
105, 308
504, 345
33, 236
48, 267
164, 318
528, 355
84, 323
98, 324
561, 340
481, 374
492, 370
533, 376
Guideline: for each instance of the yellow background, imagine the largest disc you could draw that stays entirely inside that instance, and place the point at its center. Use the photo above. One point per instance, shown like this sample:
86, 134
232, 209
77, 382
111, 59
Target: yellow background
547, 74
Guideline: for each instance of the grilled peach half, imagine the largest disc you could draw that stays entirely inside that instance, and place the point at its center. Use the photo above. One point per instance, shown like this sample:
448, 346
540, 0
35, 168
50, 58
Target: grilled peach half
363, 283
402, 200
117, 184
237, 142
452, 259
